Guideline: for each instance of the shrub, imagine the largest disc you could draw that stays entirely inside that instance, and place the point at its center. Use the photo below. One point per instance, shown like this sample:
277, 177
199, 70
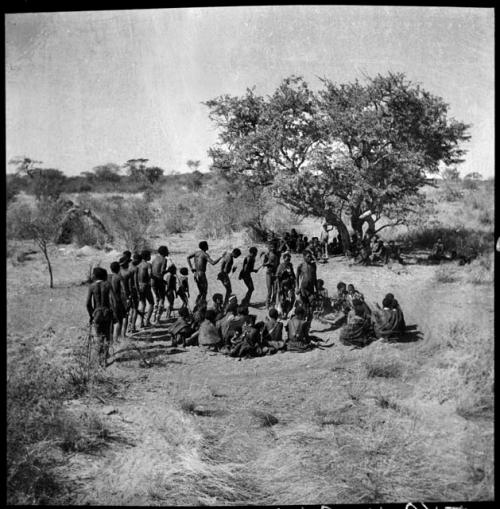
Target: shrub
177, 211
383, 367
457, 239
485, 218
445, 274
36, 389
40, 427
128, 220
470, 184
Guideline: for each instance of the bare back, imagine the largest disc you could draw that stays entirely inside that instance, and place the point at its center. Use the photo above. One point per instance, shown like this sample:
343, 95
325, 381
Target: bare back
144, 273
158, 266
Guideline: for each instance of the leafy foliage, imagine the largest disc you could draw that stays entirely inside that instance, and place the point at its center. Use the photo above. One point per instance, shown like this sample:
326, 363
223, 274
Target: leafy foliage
340, 152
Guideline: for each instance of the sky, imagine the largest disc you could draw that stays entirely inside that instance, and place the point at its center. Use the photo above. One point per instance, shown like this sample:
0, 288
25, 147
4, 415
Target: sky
88, 88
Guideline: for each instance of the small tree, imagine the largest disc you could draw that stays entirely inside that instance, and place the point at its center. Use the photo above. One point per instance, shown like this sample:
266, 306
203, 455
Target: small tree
39, 223
473, 176
193, 165
450, 175
107, 172
149, 177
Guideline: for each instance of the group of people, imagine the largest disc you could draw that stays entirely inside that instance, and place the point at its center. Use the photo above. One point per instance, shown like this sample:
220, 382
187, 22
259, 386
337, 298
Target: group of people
367, 251
140, 289
362, 325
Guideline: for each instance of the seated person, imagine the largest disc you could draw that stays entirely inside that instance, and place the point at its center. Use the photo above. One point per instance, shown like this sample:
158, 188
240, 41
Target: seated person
389, 320
353, 294
294, 237
340, 301
393, 253
208, 335
182, 328
248, 341
322, 304
332, 246
363, 257
297, 330
358, 331
233, 321
378, 251
437, 251
233, 301
272, 334
374, 241
218, 306
302, 243
199, 313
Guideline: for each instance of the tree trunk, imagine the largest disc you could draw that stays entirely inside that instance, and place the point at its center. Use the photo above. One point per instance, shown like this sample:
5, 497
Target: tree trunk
371, 226
356, 222
335, 220
49, 265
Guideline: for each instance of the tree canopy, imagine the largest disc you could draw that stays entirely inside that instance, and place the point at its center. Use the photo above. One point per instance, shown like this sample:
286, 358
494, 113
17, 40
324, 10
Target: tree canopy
341, 151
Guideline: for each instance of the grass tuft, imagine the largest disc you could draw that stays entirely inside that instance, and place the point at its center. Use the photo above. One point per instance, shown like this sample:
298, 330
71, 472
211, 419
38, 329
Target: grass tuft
265, 419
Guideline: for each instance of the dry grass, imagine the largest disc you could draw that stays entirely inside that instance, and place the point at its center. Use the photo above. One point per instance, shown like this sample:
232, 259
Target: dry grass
40, 427
387, 423
446, 274
264, 419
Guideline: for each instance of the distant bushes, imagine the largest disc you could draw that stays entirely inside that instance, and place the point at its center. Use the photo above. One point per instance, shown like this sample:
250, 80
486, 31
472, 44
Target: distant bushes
128, 221
454, 239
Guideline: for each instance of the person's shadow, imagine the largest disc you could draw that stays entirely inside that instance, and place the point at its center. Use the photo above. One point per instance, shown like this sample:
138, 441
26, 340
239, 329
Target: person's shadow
410, 335
257, 305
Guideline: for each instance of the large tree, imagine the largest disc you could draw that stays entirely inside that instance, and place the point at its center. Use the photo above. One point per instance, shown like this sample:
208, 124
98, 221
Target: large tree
341, 152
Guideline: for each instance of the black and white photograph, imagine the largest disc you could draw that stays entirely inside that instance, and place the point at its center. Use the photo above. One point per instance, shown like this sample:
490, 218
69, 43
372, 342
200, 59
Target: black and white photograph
250, 256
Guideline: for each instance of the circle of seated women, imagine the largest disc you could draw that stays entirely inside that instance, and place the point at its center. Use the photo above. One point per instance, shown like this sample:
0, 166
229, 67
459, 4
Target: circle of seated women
230, 329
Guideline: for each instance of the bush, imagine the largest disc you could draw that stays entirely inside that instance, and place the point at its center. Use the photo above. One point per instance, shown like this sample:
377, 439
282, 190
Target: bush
40, 428
485, 218
129, 221
177, 208
480, 271
470, 184
35, 418
451, 193
454, 239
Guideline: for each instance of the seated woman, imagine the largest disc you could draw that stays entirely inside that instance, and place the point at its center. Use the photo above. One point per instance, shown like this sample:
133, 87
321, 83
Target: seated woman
358, 331
247, 341
378, 251
353, 294
389, 320
297, 330
208, 335
237, 317
182, 328
272, 334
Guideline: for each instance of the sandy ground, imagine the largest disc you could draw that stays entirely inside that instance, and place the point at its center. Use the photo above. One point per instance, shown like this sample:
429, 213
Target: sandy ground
222, 430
